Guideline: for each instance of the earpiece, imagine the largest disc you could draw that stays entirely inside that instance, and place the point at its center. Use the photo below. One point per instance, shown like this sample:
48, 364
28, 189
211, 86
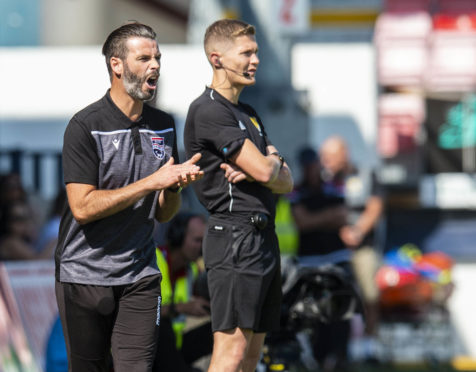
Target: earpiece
218, 64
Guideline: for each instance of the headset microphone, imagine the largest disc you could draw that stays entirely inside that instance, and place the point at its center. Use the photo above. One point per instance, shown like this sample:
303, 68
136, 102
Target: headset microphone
244, 73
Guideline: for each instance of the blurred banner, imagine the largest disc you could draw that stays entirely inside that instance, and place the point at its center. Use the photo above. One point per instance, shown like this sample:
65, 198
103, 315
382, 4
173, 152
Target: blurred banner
291, 16
27, 311
15, 354
344, 13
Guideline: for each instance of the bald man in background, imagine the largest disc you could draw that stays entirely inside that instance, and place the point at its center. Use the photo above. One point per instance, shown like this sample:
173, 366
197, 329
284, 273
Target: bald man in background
364, 199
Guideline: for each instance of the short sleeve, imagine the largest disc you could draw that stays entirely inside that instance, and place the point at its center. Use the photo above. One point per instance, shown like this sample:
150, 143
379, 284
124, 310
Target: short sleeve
80, 158
219, 129
377, 188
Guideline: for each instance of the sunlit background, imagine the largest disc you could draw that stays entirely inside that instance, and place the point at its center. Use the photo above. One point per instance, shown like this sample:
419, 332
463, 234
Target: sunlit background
395, 78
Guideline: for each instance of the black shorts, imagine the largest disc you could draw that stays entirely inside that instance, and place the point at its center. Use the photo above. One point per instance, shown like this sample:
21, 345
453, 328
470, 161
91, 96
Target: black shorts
98, 320
244, 278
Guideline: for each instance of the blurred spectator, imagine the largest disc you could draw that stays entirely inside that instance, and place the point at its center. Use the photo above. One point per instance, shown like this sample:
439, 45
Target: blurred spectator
364, 199
177, 261
48, 236
17, 231
11, 188
319, 214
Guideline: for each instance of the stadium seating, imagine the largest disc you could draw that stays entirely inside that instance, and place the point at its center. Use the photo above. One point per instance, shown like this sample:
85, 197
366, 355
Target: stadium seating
452, 53
400, 120
401, 46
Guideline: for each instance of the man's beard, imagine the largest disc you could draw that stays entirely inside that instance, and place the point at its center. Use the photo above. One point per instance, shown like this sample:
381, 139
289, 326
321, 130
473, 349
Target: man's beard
133, 84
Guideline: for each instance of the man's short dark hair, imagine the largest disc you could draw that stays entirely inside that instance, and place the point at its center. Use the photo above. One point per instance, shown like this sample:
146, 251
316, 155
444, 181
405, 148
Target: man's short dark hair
226, 30
115, 44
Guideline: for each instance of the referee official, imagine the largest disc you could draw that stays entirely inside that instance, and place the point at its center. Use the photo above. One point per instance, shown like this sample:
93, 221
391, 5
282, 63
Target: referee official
243, 172
119, 159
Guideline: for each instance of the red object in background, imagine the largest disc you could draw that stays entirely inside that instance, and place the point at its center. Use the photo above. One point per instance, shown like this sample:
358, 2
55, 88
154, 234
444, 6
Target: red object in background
438, 260
395, 277
417, 284
454, 22
410, 295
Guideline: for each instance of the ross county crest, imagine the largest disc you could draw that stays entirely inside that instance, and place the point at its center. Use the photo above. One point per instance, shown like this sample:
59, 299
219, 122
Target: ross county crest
158, 147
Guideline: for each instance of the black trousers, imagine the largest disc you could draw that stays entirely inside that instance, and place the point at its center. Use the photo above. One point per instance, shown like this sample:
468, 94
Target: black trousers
102, 320
197, 342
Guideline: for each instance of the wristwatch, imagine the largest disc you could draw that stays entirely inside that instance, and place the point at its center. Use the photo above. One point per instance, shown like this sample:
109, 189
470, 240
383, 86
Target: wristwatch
281, 159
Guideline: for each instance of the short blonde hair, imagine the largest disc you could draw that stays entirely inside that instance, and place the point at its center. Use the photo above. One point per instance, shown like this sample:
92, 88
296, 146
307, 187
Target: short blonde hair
225, 30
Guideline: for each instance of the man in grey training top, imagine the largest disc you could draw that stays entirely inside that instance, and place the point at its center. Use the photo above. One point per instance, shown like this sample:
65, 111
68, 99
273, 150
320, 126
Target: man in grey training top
121, 172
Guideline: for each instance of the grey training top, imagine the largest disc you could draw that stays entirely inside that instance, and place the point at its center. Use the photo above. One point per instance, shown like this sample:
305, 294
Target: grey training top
104, 148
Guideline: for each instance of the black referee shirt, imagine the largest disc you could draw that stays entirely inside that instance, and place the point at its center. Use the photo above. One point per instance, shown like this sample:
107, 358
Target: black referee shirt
104, 148
217, 128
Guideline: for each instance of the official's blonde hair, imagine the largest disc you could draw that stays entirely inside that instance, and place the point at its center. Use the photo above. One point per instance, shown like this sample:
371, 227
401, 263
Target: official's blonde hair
225, 30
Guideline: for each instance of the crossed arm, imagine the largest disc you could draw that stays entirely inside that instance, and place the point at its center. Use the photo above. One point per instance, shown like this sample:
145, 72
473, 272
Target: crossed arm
250, 164
89, 204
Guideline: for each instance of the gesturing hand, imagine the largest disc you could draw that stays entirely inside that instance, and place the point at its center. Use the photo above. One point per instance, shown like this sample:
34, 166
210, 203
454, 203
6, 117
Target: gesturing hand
178, 175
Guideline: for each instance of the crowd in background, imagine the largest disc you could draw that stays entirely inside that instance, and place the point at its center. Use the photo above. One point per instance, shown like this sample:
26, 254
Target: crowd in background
23, 233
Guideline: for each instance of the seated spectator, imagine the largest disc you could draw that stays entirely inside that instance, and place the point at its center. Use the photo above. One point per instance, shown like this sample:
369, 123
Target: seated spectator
177, 349
17, 231
11, 188
48, 236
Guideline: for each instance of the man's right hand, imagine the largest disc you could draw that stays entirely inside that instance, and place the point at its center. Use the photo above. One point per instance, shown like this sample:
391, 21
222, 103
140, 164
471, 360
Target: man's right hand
89, 204
177, 175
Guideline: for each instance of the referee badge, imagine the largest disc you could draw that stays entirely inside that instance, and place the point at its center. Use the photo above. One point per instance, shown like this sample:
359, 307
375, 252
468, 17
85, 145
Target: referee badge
158, 147
256, 124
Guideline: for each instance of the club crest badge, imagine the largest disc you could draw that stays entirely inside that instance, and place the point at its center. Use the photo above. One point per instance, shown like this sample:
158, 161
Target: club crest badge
158, 147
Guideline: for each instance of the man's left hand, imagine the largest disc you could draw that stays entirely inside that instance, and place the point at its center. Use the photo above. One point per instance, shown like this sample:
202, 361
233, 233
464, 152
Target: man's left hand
234, 174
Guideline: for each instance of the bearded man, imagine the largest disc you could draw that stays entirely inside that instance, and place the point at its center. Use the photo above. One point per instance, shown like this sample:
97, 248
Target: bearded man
121, 173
